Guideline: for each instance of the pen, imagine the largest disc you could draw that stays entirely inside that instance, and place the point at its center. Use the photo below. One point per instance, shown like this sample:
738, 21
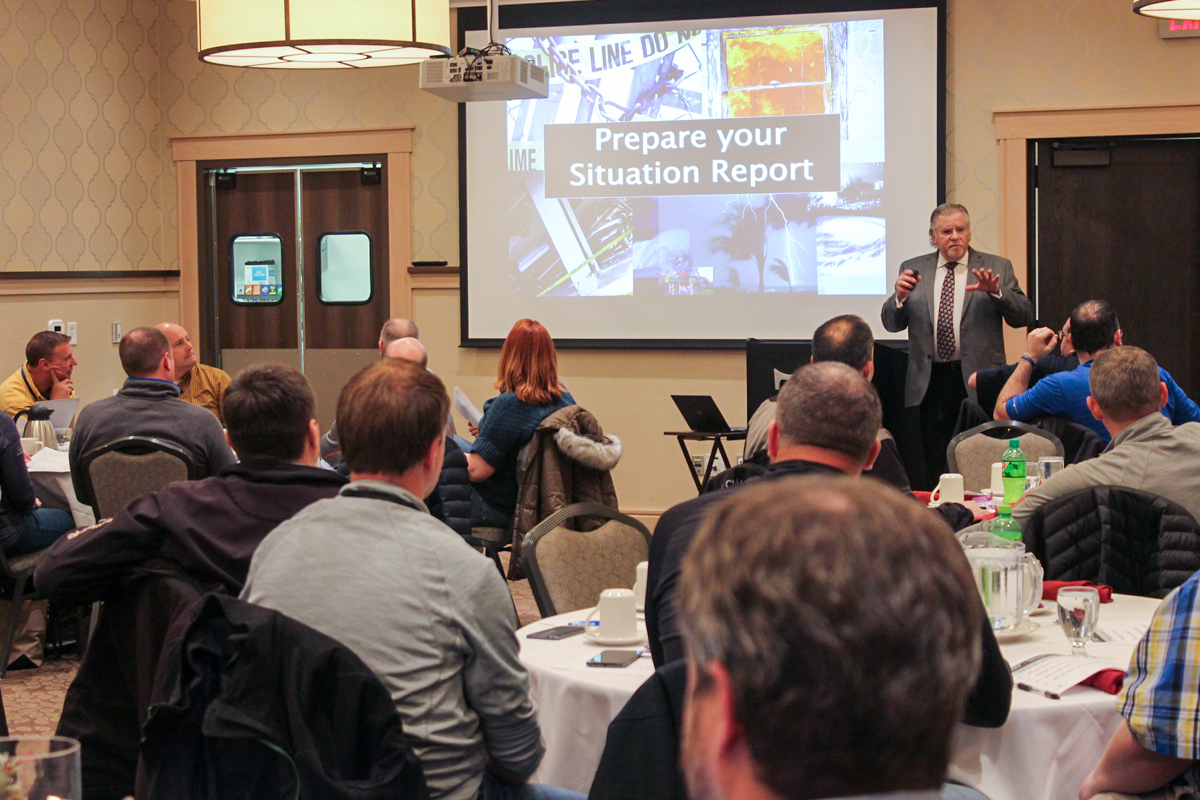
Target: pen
584, 623
1025, 687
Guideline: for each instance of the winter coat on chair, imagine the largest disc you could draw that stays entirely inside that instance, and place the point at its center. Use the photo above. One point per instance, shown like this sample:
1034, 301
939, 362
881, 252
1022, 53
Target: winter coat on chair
569, 462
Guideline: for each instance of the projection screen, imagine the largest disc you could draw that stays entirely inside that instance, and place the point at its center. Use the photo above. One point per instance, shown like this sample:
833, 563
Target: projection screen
696, 182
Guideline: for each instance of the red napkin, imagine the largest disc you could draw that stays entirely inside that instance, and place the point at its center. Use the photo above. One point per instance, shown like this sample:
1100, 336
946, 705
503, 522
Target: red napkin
1050, 589
1106, 680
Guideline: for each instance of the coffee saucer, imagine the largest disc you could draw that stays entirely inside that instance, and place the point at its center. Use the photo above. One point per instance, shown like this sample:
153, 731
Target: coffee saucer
1027, 626
615, 641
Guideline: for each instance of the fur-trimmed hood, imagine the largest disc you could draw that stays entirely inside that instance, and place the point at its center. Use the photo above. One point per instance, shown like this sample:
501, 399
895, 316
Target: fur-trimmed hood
587, 450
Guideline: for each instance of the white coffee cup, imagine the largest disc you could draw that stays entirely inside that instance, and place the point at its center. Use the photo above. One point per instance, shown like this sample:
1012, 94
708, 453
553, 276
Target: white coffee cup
618, 615
639, 585
31, 446
997, 479
948, 490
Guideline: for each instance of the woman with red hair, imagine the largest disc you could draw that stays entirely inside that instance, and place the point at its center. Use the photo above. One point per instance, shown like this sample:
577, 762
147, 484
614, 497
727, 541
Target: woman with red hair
528, 380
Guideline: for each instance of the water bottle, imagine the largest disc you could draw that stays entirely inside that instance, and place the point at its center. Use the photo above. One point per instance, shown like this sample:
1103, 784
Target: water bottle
1013, 471
1006, 527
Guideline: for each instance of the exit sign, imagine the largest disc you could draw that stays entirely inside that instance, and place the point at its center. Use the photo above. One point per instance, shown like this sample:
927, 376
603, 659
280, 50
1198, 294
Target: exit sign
1178, 28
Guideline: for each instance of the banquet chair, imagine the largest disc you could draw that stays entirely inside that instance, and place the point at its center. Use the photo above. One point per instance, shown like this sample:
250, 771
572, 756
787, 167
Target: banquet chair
568, 569
1134, 541
972, 452
117, 472
492, 540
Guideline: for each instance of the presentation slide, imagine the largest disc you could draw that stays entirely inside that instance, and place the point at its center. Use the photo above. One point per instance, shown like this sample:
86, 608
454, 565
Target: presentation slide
704, 180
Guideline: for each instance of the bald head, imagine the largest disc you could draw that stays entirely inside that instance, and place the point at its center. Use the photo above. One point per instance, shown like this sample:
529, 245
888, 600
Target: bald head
181, 347
407, 349
396, 328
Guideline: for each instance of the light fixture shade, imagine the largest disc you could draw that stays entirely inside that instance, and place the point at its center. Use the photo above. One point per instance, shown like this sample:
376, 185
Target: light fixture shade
321, 34
1168, 9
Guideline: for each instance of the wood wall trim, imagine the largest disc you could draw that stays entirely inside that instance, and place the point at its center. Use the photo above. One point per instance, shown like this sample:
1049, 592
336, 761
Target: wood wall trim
1049, 123
88, 275
308, 144
1015, 128
396, 143
72, 286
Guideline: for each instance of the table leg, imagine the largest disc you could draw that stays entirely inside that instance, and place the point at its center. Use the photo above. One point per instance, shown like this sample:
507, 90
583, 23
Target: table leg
708, 467
691, 469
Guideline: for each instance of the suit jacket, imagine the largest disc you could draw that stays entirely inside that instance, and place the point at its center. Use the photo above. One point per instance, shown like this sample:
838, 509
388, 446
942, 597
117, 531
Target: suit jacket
981, 333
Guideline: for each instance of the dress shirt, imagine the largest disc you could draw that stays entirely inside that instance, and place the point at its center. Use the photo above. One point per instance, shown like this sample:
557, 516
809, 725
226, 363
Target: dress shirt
960, 296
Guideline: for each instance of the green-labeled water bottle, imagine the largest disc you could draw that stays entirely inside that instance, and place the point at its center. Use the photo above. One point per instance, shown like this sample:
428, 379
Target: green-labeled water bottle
1005, 526
1013, 471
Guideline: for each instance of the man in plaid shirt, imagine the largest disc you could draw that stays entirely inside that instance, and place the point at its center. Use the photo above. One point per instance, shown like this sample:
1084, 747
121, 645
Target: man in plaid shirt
1156, 754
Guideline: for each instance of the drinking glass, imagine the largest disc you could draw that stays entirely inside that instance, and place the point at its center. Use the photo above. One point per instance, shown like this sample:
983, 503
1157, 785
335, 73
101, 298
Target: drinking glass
1078, 610
39, 768
1048, 467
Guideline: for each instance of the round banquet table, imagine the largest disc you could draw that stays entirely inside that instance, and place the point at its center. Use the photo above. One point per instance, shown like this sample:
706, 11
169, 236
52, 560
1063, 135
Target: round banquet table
51, 474
1048, 747
1043, 752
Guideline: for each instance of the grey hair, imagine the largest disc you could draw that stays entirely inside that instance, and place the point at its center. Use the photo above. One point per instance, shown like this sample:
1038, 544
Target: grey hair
948, 210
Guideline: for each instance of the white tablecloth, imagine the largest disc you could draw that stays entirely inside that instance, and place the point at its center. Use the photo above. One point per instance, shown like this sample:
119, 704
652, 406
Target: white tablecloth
575, 702
50, 471
1043, 752
1048, 747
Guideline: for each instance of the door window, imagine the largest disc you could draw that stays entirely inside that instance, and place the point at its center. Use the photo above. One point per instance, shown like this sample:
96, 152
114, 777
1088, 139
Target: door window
345, 269
257, 273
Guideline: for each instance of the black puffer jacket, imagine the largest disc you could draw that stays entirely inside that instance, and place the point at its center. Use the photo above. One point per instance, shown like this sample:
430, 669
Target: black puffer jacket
1134, 541
451, 500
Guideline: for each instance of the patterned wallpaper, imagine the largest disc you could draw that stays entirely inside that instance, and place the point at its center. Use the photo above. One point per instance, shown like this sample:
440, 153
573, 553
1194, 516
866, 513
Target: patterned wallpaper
80, 173
92, 90
199, 98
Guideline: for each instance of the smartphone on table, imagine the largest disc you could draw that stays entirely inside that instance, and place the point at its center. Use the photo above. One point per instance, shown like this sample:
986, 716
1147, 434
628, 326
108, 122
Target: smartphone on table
554, 634
614, 658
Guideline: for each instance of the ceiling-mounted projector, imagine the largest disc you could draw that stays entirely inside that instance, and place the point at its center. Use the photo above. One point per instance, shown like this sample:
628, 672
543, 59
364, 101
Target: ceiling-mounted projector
483, 77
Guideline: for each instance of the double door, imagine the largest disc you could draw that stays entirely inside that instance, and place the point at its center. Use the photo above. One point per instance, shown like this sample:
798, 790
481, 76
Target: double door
1115, 219
297, 269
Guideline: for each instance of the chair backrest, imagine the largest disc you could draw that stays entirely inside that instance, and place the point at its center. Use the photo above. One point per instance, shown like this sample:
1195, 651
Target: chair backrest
1079, 441
1134, 541
119, 471
972, 452
569, 569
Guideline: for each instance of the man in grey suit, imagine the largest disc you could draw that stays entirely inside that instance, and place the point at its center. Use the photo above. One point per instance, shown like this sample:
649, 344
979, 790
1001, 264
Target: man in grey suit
954, 325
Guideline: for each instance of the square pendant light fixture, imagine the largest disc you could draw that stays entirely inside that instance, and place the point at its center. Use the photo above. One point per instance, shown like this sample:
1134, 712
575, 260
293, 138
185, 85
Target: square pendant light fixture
1168, 9
321, 34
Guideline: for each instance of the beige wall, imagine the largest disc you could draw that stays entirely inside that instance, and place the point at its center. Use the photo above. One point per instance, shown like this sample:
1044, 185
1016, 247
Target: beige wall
1046, 54
99, 370
629, 392
91, 91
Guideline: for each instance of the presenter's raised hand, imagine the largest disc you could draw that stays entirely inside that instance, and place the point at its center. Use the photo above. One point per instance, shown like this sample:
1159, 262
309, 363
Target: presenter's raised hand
61, 389
988, 281
905, 284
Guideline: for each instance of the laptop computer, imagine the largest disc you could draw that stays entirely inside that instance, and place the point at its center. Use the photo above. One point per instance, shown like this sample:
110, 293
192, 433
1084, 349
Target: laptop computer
701, 414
